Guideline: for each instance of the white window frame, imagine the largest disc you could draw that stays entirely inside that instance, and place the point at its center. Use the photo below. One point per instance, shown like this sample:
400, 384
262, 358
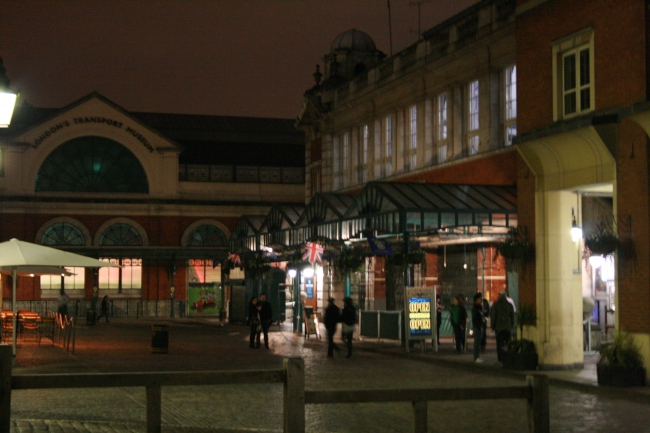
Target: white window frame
510, 114
443, 116
363, 157
413, 137
474, 143
388, 144
473, 105
442, 153
572, 45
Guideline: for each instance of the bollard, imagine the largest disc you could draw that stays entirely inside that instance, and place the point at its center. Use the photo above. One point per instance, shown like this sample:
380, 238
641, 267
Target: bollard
159, 338
538, 404
294, 395
5, 387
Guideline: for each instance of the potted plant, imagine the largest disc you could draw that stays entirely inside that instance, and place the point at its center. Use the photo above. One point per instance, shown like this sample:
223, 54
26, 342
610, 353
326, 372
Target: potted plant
515, 249
348, 261
621, 363
522, 353
602, 241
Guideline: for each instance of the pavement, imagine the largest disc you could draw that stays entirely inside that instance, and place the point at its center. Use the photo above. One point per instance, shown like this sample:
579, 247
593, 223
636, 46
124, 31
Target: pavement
201, 344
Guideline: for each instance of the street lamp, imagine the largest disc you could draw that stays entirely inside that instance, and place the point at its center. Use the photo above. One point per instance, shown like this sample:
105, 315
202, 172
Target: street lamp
7, 99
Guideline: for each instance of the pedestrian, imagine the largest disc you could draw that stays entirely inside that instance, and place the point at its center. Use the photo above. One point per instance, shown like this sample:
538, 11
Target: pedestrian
63, 300
266, 317
477, 325
254, 322
349, 319
502, 319
439, 309
459, 321
486, 316
104, 306
332, 318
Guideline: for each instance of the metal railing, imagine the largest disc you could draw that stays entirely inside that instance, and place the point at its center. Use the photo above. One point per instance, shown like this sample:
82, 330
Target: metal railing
295, 397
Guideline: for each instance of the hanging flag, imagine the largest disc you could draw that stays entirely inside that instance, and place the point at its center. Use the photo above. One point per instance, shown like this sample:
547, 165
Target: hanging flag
379, 247
234, 259
215, 262
313, 252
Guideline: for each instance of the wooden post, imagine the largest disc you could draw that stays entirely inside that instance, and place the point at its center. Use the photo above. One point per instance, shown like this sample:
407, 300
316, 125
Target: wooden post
5, 387
538, 404
419, 416
154, 409
294, 395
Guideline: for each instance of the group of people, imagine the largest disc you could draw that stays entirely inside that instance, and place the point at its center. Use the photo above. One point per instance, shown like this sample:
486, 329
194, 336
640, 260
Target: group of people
260, 317
348, 319
502, 320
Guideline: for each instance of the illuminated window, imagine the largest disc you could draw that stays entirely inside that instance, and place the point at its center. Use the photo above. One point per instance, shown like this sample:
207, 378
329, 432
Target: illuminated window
442, 117
413, 136
203, 271
473, 106
128, 277
474, 144
511, 92
72, 282
388, 142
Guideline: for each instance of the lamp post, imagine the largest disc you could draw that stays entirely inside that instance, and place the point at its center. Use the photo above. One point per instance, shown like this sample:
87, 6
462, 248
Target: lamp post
7, 99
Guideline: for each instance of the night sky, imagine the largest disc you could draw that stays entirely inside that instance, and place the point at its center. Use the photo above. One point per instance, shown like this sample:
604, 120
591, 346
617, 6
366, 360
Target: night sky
217, 57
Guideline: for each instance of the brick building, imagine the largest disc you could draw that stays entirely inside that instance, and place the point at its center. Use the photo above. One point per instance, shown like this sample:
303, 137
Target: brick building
157, 193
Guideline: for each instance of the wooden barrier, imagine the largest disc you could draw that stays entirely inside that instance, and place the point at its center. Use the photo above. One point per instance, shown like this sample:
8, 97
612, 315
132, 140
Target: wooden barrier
292, 376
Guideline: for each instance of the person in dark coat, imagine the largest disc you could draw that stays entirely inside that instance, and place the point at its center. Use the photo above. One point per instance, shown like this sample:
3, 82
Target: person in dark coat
266, 317
439, 308
349, 319
502, 319
254, 322
459, 321
331, 319
486, 316
104, 306
477, 325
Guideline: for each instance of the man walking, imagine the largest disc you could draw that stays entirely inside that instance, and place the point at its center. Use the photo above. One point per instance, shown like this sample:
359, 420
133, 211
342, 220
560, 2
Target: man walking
502, 318
266, 317
332, 318
477, 325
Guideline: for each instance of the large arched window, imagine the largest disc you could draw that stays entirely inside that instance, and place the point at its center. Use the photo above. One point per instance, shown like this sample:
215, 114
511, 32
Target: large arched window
129, 276
121, 234
92, 164
207, 235
63, 234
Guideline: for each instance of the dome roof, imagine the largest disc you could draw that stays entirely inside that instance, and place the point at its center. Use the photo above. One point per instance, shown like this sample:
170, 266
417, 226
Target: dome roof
354, 40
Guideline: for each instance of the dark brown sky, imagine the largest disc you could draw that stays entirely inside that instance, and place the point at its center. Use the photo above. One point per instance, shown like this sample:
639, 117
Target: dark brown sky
221, 57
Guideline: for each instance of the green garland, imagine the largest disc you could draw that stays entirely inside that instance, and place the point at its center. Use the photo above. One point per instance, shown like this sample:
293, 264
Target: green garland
602, 241
514, 248
348, 261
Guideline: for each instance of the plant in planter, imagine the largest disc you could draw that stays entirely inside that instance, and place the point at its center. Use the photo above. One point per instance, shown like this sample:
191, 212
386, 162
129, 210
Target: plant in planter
515, 249
257, 266
522, 353
602, 241
348, 261
621, 363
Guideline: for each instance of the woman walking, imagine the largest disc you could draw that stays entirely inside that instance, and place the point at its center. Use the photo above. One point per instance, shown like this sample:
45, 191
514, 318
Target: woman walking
254, 322
349, 319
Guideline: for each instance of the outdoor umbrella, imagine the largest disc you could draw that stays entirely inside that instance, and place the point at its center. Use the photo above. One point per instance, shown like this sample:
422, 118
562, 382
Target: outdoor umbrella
22, 257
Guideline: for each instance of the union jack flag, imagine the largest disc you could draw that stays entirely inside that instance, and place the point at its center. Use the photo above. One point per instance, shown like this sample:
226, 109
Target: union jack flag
234, 259
313, 252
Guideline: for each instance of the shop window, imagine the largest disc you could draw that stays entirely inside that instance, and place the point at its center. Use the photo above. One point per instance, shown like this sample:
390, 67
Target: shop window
128, 277
92, 164
203, 271
73, 282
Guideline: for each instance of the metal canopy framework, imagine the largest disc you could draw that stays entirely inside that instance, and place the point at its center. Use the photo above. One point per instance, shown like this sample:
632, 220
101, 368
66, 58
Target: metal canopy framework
394, 209
275, 231
243, 236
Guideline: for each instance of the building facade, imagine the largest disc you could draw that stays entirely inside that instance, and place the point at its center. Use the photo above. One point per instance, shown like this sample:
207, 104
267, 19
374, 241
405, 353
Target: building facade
157, 193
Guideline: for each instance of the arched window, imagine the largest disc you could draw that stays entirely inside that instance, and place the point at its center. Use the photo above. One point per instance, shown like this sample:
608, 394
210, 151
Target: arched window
207, 235
92, 164
63, 234
121, 235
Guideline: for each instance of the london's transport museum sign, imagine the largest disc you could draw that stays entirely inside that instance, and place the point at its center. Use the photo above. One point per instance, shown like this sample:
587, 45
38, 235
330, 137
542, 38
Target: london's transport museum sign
56, 127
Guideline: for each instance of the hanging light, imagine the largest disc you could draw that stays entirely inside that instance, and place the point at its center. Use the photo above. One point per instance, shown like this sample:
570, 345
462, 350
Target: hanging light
292, 273
7, 99
308, 272
576, 230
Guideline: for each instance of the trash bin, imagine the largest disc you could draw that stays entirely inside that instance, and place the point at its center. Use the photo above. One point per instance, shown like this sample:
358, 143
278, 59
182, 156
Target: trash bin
90, 317
159, 338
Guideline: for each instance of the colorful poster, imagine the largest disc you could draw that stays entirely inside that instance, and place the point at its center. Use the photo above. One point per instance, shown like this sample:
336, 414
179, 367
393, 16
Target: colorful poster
204, 298
309, 288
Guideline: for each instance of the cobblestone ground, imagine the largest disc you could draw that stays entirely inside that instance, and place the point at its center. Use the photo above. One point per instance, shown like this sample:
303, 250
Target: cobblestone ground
124, 345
